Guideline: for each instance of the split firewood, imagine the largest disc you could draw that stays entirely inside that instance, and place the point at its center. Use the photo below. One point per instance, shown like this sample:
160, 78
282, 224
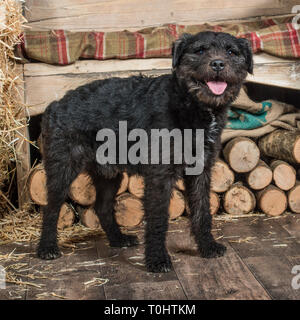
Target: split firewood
284, 175
82, 190
281, 144
88, 217
214, 200
260, 177
242, 154
37, 185
128, 210
294, 198
239, 199
136, 186
177, 204
272, 200
222, 177
66, 216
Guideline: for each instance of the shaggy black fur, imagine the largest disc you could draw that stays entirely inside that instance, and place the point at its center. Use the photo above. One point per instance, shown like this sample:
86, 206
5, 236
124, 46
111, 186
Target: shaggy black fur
180, 100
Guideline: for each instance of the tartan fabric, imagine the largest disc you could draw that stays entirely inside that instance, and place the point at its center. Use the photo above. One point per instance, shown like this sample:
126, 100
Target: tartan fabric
275, 36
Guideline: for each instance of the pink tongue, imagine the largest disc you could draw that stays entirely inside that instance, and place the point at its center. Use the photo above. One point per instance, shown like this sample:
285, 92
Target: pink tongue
217, 87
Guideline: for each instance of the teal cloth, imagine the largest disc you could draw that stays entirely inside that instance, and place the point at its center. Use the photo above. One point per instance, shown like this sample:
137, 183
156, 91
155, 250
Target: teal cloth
241, 119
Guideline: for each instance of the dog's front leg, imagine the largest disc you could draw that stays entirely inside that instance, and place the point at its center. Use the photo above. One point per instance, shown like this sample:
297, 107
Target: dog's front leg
156, 204
197, 193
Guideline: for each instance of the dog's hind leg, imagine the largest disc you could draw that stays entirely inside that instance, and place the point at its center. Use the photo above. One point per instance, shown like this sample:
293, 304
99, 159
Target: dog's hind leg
59, 178
197, 192
63, 161
106, 190
156, 204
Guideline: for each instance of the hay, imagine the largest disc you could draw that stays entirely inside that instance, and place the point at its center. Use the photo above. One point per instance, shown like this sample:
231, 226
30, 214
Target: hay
25, 226
11, 23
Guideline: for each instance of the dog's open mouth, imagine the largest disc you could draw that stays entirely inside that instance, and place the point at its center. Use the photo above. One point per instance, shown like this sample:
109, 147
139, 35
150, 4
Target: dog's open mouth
217, 87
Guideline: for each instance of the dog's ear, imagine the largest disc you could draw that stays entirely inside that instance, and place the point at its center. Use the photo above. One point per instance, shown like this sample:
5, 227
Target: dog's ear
247, 52
178, 48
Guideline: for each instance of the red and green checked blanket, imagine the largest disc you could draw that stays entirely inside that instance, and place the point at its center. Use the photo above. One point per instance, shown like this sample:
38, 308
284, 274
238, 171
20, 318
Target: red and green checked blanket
275, 36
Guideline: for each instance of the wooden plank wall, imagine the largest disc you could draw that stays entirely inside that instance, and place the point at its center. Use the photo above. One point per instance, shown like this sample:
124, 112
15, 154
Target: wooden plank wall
106, 15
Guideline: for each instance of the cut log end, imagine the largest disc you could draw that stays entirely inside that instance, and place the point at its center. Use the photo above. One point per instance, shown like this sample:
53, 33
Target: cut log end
82, 190
294, 198
37, 185
284, 175
260, 177
136, 186
66, 216
239, 200
296, 150
214, 203
128, 210
177, 204
89, 218
222, 177
272, 201
242, 154
124, 184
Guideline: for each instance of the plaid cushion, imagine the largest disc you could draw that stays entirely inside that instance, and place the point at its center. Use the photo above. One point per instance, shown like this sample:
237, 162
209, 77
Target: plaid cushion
276, 36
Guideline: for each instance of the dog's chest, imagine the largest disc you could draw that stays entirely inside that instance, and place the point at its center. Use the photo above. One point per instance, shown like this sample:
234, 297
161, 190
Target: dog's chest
212, 131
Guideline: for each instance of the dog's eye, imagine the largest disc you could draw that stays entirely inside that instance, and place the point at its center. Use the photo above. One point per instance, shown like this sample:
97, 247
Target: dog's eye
232, 52
200, 51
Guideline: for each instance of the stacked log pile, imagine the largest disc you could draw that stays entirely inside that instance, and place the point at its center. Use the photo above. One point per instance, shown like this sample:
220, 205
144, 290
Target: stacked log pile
249, 176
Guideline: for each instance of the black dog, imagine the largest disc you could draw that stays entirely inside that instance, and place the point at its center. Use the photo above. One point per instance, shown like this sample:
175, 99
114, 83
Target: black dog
208, 71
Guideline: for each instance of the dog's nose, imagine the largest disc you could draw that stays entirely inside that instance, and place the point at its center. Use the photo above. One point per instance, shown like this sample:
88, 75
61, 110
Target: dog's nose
217, 65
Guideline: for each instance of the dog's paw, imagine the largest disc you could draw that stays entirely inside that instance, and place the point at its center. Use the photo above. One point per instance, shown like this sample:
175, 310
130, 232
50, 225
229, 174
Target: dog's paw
212, 250
159, 264
125, 241
49, 252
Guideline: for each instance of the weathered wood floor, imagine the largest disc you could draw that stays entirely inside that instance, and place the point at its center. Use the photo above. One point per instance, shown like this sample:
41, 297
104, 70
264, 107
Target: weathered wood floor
261, 253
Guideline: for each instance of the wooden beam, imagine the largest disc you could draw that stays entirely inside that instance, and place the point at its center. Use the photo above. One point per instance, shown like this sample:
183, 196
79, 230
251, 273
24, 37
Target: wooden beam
23, 164
280, 74
108, 15
45, 83
96, 66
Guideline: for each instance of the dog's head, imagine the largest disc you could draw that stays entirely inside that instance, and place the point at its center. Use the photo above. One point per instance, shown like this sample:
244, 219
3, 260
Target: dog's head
212, 65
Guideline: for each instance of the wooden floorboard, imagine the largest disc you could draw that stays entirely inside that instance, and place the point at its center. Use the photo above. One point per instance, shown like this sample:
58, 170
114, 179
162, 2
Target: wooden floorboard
162, 290
69, 277
261, 253
18, 261
127, 274
265, 246
275, 275
226, 277
254, 237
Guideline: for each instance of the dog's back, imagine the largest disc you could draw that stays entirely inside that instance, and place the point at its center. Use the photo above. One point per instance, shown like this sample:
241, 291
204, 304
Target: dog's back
103, 103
